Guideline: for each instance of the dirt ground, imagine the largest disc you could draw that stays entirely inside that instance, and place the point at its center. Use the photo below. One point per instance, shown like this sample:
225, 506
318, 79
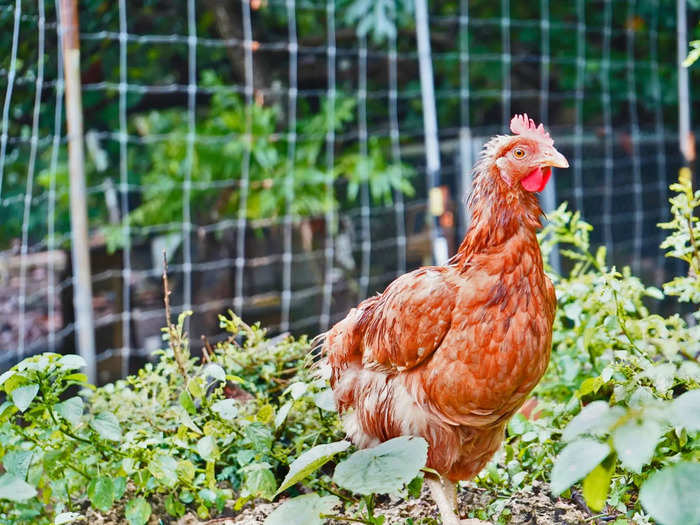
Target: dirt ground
534, 506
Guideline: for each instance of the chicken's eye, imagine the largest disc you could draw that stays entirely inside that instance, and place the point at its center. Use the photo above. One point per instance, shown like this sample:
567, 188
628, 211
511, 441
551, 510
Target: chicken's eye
518, 153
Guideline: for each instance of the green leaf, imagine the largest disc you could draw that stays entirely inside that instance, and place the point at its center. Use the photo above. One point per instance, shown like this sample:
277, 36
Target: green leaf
206, 448
226, 408
260, 436
575, 462
685, 411
185, 470
101, 493
671, 495
16, 462
302, 510
597, 484
282, 414
67, 517
15, 489
174, 507
186, 402
325, 400
215, 371
164, 469
195, 387
72, 362
23, 396
384, 468
71, 410
595, 418
107, 426
137, 511
6, 375
259, 481
310, 461
635, 442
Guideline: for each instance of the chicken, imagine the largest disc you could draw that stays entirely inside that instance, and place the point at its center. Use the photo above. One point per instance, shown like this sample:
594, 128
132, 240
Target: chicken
450, 353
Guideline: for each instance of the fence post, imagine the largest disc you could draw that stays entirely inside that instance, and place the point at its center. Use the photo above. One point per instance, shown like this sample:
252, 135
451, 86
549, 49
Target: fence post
685, 137
80, 247
432, 149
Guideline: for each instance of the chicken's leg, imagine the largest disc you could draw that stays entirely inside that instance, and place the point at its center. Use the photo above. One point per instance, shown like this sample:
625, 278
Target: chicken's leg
451, 491
445, 495
443, 501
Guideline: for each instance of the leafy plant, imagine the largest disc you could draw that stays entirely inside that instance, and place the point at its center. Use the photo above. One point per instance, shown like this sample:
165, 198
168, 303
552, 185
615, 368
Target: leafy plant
234, 137
190, 436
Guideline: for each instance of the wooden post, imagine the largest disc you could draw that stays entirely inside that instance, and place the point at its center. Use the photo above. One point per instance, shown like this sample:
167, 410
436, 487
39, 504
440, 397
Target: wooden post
80, 247
430, 127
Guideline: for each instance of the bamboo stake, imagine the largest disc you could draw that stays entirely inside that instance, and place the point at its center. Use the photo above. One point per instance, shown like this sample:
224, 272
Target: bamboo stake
80, 247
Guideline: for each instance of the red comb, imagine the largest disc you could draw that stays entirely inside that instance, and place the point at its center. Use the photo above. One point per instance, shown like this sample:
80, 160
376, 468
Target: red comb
522, 125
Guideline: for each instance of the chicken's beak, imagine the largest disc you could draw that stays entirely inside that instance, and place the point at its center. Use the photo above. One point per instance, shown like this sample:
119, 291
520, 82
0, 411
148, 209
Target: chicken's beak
554, 159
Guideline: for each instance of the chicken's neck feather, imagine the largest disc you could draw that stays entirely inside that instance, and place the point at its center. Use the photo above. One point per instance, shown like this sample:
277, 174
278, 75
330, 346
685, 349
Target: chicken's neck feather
497, 213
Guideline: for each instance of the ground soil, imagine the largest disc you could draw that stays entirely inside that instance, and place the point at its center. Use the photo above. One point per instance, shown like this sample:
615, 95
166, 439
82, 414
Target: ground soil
533, 506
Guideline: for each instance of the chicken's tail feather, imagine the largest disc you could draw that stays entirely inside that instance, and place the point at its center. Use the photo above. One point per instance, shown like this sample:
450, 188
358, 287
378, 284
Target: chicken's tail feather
315, 358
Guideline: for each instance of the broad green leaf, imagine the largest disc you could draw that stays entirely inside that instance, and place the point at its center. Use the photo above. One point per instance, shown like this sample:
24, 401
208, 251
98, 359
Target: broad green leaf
164, 469
72, 362
23, 396
260, 436
16, 462
325, 400
215, 371
206, 448
259, 481
101, 493
71, 410
597, 484
575, 462
685, 411
310, 461
15, 489
384, 468
302, 510
119, 487
67, 517
297, 389
635, 442
671, 495
185, 470
107, 426
226, 408
595, 418
137, 511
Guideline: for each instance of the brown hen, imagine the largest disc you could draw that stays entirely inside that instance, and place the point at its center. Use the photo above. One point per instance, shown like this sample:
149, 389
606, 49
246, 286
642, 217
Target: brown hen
450, 353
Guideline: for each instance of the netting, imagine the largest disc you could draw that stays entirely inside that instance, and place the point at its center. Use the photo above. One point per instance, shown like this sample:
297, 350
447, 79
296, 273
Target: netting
275, 151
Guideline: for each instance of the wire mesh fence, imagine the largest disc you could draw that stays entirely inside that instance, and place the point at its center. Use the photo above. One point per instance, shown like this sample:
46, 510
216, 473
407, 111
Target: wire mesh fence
276, 151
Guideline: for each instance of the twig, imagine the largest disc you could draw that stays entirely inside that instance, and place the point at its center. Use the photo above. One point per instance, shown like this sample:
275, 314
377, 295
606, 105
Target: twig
342, 518
206, 349
173, 337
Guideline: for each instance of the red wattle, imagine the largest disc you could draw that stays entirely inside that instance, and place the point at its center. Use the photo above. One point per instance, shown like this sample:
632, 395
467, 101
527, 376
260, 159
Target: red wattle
537, 179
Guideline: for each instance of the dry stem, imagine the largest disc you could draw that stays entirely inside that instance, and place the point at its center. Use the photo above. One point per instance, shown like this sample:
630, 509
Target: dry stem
173, 336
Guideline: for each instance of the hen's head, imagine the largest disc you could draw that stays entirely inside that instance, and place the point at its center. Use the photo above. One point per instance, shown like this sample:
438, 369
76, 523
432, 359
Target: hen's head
526, 158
